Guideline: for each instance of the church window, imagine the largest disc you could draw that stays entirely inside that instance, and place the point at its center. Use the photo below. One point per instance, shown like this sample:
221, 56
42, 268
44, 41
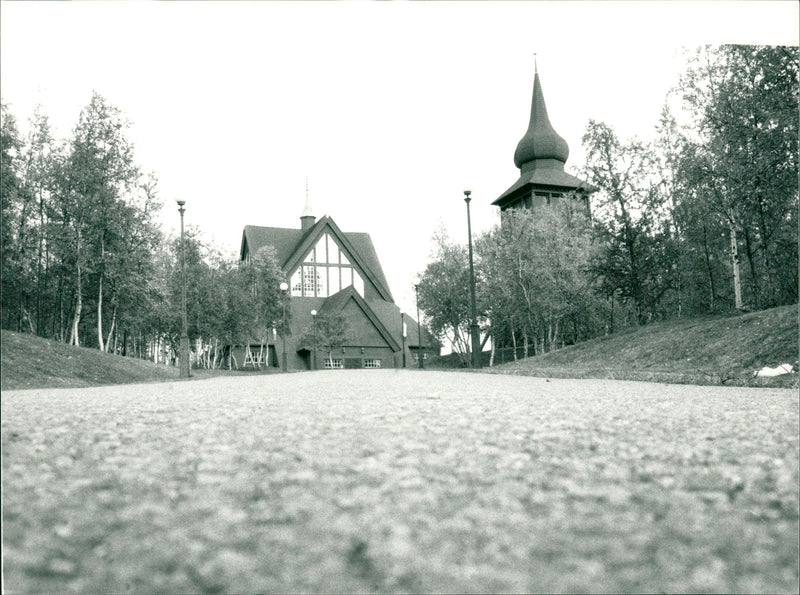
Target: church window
321, 249
347, 277
333, 364
372, 363
297, 286
358, 283
309, 284
326, 271
322, 281
333, 250
334, 280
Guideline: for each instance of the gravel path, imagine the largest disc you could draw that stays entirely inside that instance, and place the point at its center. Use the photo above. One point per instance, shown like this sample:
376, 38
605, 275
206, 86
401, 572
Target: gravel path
398, 481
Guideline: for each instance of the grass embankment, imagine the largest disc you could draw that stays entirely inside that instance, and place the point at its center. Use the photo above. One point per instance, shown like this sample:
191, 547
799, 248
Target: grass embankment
32, 362
724, 349
712, 350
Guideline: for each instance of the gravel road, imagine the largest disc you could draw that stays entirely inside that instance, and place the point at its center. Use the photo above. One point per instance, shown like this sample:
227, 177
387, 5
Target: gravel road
400, 481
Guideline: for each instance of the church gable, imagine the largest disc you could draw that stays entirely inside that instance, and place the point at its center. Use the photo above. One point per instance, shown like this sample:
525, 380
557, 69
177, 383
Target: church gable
360, 327
326, 262
364, 326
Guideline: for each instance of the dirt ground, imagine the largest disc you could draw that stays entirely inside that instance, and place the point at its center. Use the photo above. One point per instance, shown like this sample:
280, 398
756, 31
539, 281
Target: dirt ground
400, 481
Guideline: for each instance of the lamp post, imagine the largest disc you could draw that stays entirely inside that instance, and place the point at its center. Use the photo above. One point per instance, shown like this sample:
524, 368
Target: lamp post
419, 327
284, 288
403, 333
314, 347
473, 327
184, 354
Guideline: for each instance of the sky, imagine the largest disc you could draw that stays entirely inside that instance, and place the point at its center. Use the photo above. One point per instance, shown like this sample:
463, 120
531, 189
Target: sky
390, 110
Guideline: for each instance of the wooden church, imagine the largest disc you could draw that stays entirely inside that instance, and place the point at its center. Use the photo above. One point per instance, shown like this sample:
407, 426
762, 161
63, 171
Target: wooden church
541, 156
333, 273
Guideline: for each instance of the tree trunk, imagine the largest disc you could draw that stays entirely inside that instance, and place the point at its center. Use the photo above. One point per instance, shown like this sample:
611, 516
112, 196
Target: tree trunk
756, 286
111, 330
737, 281
709, 269
100, 343
765, 247
514, 343
39, 275
74, 339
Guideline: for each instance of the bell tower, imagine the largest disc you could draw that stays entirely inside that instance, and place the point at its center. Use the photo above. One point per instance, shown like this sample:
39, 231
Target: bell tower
540, 156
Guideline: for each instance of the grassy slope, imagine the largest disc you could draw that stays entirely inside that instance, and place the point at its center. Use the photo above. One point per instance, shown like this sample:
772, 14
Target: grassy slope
711, 350
32, 362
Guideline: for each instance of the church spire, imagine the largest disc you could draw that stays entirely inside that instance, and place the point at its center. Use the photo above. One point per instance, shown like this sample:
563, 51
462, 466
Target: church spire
541, 141
307, 219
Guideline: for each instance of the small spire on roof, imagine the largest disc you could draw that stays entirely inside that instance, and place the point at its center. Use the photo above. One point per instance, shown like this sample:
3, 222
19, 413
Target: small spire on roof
535, 64
307, 219
307, 212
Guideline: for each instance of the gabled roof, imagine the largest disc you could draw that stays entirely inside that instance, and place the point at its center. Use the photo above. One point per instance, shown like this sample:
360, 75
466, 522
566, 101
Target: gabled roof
283, 239
292, 245
336, 303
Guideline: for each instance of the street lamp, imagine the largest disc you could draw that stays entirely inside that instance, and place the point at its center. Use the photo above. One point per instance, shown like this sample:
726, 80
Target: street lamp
314, 353
284, 288
476, 338
419, 326
184, 348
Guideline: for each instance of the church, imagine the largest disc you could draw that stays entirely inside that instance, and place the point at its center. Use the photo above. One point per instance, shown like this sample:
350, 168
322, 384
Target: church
541, 156
333, 273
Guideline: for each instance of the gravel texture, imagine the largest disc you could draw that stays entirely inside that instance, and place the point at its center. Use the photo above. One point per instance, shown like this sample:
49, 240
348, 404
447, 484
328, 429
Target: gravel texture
400, 481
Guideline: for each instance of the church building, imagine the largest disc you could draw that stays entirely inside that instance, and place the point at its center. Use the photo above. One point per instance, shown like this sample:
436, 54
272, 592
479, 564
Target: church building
334, 273
540, 156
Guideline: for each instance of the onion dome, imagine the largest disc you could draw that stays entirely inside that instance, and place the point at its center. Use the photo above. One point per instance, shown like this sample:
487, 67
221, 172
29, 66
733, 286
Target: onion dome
540, 141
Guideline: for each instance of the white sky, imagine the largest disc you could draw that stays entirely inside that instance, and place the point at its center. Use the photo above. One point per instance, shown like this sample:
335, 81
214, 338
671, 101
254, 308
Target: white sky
390, 109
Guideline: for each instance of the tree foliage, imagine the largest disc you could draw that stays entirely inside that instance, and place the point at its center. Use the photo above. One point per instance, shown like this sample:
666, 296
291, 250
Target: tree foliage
443, 294
739, 160
535, 272
83, 260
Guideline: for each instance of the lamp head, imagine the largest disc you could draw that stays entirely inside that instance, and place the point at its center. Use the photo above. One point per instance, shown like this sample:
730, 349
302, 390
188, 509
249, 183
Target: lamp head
466, 195
313, 312
284, 286
181, 202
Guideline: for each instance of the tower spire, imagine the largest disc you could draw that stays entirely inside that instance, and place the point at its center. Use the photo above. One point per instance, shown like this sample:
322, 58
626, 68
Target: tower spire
541, 141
